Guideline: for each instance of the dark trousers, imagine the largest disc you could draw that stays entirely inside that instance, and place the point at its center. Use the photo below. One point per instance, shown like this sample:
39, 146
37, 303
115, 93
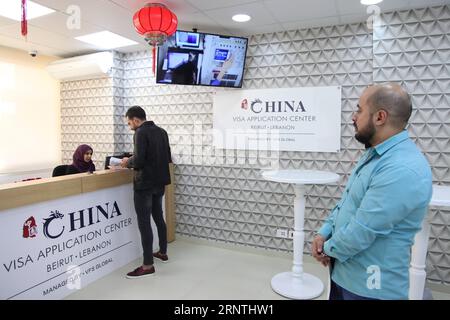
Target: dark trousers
149, 203
339, 293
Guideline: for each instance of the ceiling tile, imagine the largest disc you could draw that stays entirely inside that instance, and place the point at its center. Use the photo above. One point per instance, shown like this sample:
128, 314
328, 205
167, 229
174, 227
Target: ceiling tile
259, 13
27, 46
213, 16
46, 38
179, 7
288, 10
262, 29
62, 5
113, 17
346, 7
198, 20
212, 4
328, 21
58, 23
401, 4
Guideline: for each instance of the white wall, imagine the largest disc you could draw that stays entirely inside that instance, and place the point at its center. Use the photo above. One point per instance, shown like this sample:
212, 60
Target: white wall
30, 123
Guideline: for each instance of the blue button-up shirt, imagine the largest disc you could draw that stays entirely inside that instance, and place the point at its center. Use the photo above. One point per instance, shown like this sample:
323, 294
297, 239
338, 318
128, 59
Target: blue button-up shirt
371, 230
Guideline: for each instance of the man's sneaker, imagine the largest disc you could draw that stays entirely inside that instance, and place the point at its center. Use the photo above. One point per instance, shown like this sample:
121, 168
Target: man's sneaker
140, 273
161, 256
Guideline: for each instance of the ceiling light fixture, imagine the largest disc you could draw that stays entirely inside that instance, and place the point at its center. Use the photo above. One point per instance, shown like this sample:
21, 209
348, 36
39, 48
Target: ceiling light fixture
13, 10
106, 40
370, 2
241, 17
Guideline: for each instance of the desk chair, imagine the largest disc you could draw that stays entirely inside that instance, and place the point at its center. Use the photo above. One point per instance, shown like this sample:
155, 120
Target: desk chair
60, 170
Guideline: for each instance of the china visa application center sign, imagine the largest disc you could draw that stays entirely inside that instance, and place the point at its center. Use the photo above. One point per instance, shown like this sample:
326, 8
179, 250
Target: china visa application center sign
281, 119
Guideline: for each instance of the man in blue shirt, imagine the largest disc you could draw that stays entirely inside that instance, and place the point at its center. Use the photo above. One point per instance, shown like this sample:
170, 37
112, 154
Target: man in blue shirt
367, 238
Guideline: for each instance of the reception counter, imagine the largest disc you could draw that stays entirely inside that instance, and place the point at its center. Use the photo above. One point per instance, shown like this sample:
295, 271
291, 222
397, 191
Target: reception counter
60, 234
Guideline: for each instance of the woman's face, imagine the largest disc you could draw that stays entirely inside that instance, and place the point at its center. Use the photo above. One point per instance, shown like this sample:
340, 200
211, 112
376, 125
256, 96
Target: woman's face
88, 156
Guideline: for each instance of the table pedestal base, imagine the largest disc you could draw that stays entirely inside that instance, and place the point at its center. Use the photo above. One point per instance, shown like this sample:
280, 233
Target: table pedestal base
287, 285
297, 284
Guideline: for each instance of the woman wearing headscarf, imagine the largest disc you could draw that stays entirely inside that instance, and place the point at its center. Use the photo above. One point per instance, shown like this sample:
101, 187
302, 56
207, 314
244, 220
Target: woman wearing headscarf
82, 160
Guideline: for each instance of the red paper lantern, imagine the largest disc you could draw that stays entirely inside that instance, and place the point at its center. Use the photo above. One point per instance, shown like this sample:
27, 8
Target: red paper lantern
24, 22
155, 22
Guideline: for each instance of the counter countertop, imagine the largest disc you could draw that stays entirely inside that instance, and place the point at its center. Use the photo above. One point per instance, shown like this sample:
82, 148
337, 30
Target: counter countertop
13, 195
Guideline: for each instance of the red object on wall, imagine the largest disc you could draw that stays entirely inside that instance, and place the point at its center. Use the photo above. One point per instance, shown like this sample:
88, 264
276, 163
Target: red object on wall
29, 228
155, 22
24, 23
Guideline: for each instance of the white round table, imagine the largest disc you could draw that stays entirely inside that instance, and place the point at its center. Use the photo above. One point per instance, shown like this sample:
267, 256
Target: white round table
297, 284
417, 273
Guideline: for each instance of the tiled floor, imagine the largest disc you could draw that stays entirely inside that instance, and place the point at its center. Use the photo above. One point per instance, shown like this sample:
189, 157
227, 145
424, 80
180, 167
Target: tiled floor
199, 270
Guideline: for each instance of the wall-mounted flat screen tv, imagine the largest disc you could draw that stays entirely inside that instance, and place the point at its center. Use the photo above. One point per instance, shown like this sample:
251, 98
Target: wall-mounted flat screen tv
205, 59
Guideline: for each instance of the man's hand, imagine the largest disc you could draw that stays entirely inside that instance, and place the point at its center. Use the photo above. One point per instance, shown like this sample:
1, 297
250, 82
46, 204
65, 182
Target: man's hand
225, 66
317, 250
124, 162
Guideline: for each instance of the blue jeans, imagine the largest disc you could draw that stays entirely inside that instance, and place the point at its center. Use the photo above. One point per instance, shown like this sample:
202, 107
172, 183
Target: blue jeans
339, 293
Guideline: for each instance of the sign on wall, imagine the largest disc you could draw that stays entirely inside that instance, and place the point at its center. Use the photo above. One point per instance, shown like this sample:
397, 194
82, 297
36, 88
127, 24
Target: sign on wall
289, 119
52, 248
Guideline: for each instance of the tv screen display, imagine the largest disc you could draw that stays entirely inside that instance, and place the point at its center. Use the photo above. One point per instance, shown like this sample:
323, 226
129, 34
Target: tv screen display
194, 58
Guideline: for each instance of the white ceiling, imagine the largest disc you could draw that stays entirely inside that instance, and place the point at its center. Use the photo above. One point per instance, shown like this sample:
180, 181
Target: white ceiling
49, 35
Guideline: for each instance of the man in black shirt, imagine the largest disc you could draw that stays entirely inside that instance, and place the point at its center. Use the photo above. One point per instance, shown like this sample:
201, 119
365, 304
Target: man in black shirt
150, 161
186, 72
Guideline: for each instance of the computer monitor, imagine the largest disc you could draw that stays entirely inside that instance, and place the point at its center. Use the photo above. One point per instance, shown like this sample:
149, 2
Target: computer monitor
174, 59
186, 39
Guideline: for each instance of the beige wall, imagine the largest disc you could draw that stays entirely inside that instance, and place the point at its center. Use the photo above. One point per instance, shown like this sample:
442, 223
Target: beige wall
30, 122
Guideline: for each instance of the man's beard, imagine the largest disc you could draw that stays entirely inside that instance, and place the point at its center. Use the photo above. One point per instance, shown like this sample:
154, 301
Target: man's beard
364, 136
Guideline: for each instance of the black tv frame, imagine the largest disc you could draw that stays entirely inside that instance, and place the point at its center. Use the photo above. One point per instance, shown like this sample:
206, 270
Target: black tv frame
187, 49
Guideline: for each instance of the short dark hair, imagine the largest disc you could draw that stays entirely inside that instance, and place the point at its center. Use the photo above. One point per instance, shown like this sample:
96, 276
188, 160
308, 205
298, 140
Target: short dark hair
136, 112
